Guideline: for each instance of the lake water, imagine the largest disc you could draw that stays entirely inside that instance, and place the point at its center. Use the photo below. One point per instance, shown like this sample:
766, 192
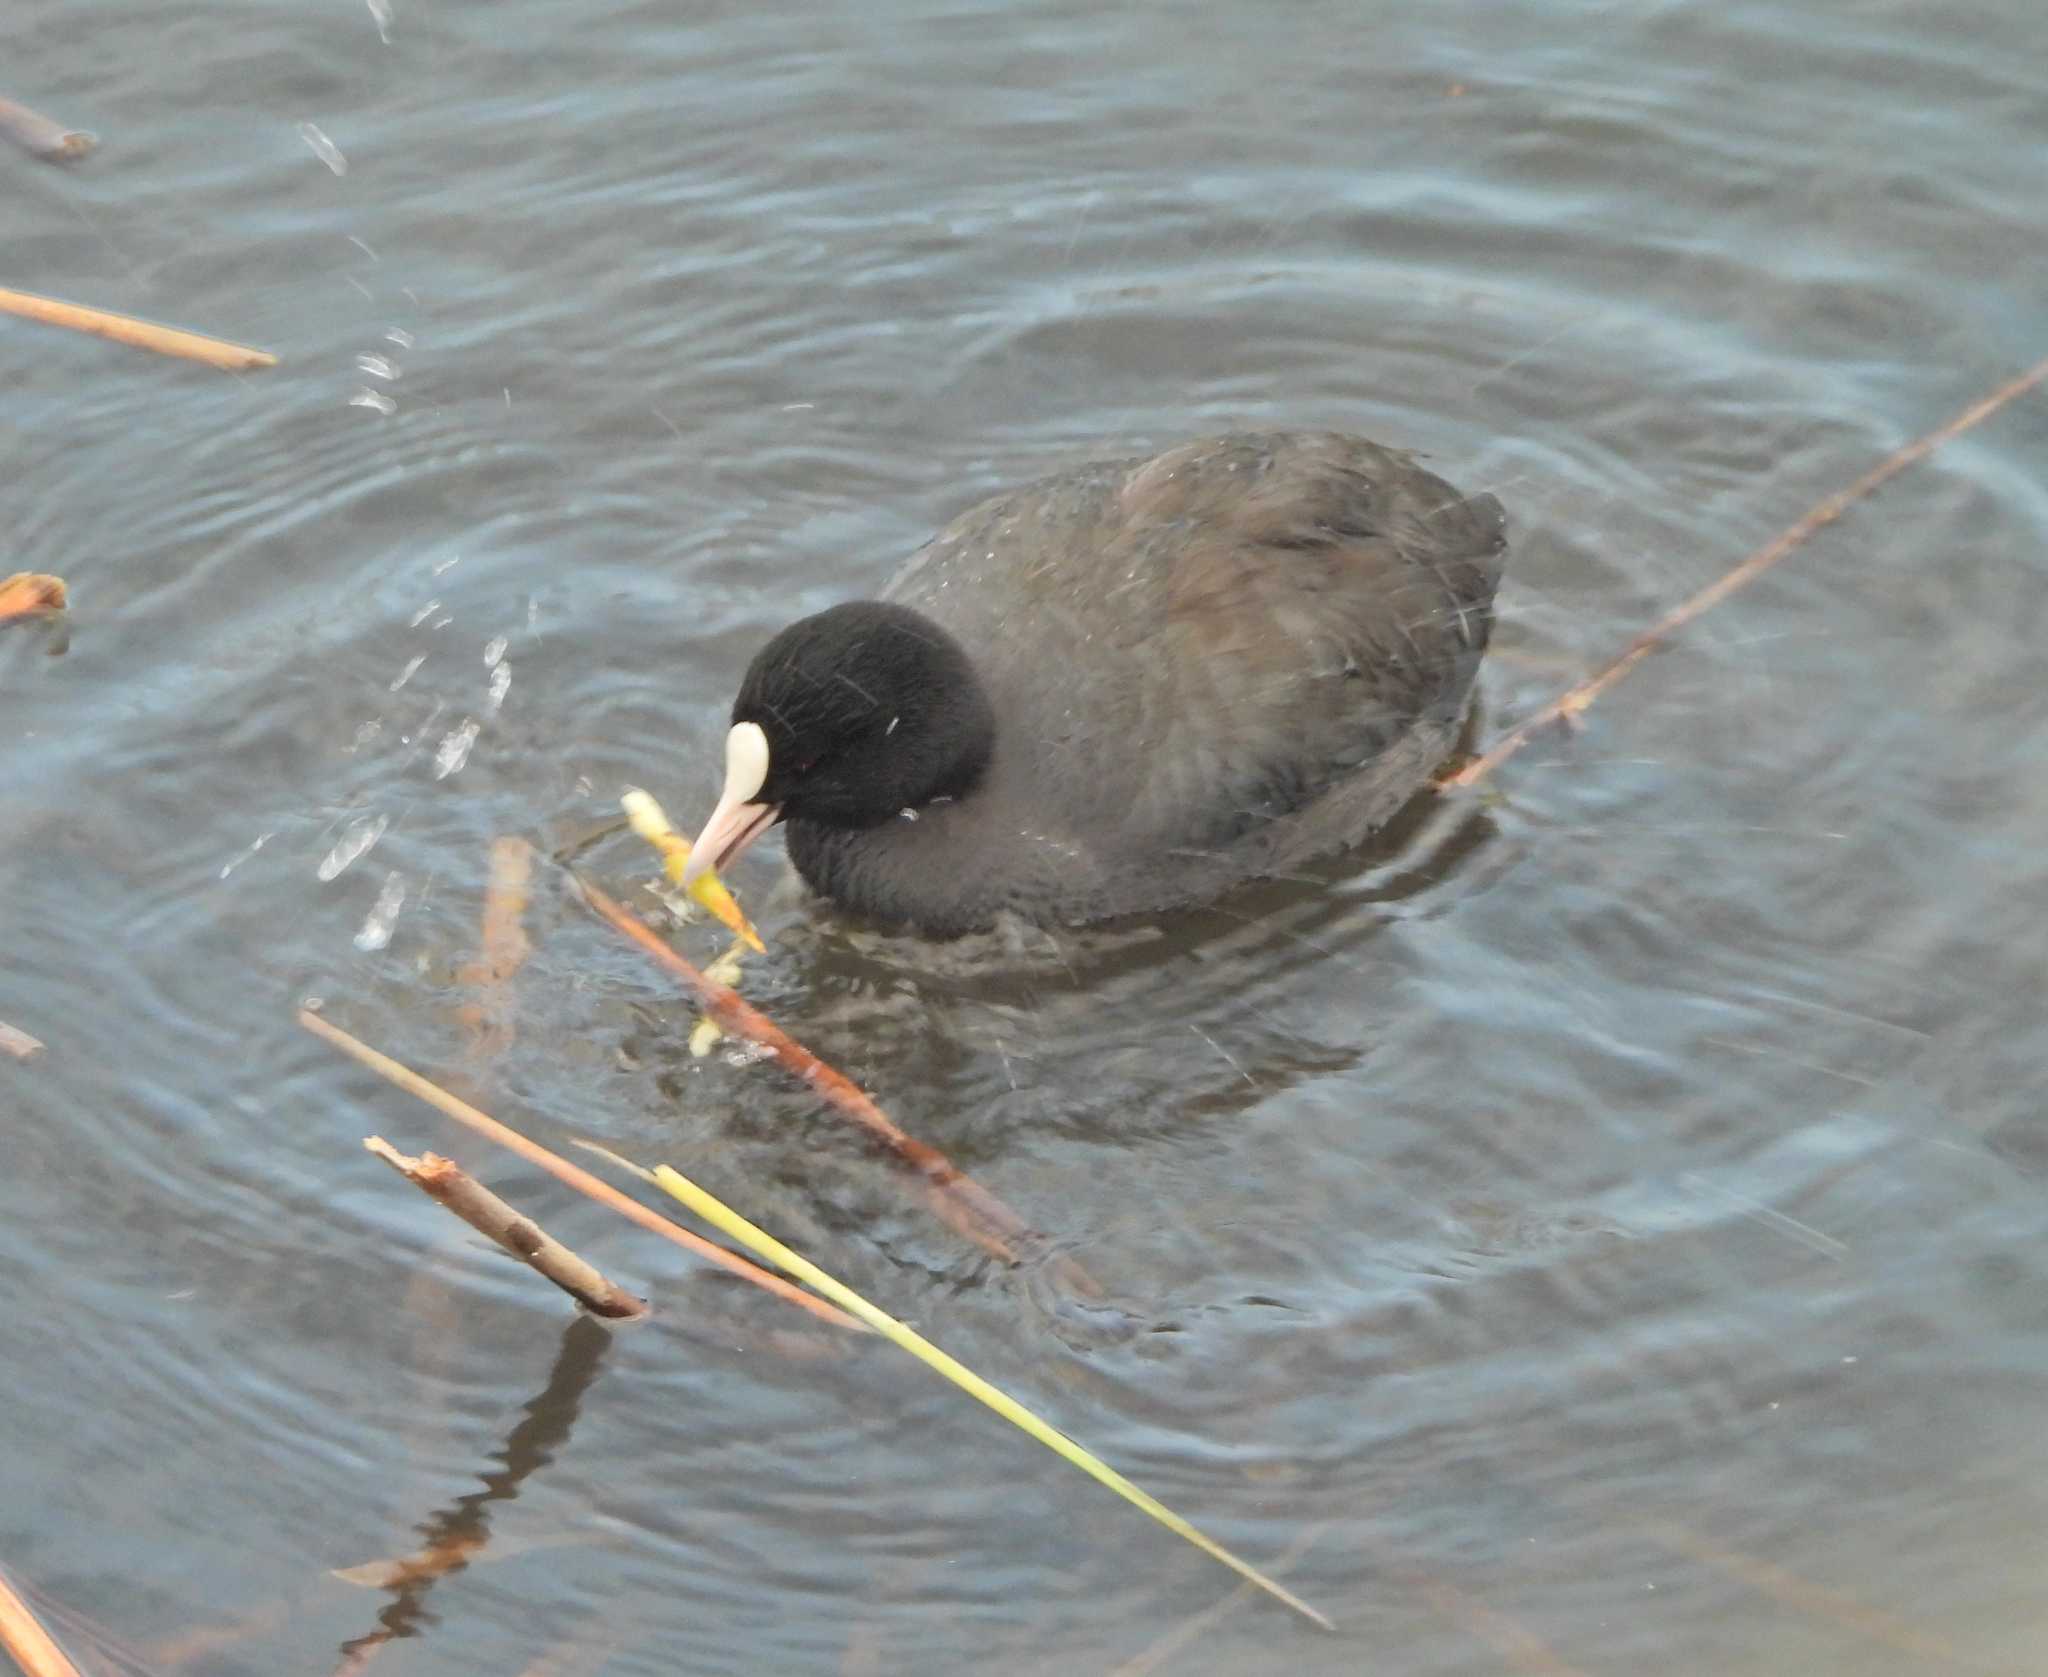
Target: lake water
1602, 1230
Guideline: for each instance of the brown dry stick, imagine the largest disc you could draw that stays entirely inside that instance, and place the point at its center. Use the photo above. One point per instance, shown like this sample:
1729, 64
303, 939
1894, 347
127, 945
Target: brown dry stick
24, 1639
1817, 1600
31, 594
142, 334
446, 1181
505, 944
37, 135
957, 1198
1568, 706
503, 949
563, 1171
18, 1042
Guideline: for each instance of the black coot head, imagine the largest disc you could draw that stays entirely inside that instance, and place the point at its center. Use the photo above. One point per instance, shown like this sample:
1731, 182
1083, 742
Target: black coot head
847, 719
869, 709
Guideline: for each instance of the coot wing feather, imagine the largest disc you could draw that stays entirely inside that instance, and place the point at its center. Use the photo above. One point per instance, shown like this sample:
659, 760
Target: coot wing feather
1188, 649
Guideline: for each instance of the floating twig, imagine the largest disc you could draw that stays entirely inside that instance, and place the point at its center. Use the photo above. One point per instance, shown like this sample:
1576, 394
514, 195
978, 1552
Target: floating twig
956, 1197
141, 334
1789, 1588
1198, 1625
1520, 1648
1569, 705
22, 1636
446, 1181
563, 1171
18, 1043
31, 594
504, 943
37, 135
729, 1222
91, 1645
502, 949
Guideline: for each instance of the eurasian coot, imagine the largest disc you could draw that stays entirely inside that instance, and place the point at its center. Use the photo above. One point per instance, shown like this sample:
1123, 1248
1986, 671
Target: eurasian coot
1130, 685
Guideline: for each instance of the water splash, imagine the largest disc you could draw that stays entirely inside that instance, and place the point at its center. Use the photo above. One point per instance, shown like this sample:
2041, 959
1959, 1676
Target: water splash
454, 751
323, 148
261, 840
367, 398
383, 915
411, 669
377, 366
501, 683
380, 15
494, 649
361, 837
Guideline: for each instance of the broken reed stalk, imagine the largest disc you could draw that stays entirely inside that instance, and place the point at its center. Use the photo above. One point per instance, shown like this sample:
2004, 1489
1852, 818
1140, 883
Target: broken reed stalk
1198, 1625
563, 1171
1791, 1590
502, 948
1521, 1650
502, 941
91, 1645
141, 334
756, 1239
956, 1197
31, 594
29, 1645
446, 1181
18, 1043
37, 135
1572, 703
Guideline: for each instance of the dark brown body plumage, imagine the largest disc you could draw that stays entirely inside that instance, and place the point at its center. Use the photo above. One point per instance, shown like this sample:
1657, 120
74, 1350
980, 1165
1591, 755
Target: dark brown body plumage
1206, 666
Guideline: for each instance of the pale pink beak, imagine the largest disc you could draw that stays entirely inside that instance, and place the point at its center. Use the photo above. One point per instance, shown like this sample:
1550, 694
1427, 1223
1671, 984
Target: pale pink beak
739, 818
730, 830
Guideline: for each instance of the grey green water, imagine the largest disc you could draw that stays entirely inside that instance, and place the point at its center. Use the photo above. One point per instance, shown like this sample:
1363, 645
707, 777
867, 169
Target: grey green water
1608, 1219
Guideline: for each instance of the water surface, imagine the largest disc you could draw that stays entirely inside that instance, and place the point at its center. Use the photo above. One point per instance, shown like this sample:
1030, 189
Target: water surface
1604, 1223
